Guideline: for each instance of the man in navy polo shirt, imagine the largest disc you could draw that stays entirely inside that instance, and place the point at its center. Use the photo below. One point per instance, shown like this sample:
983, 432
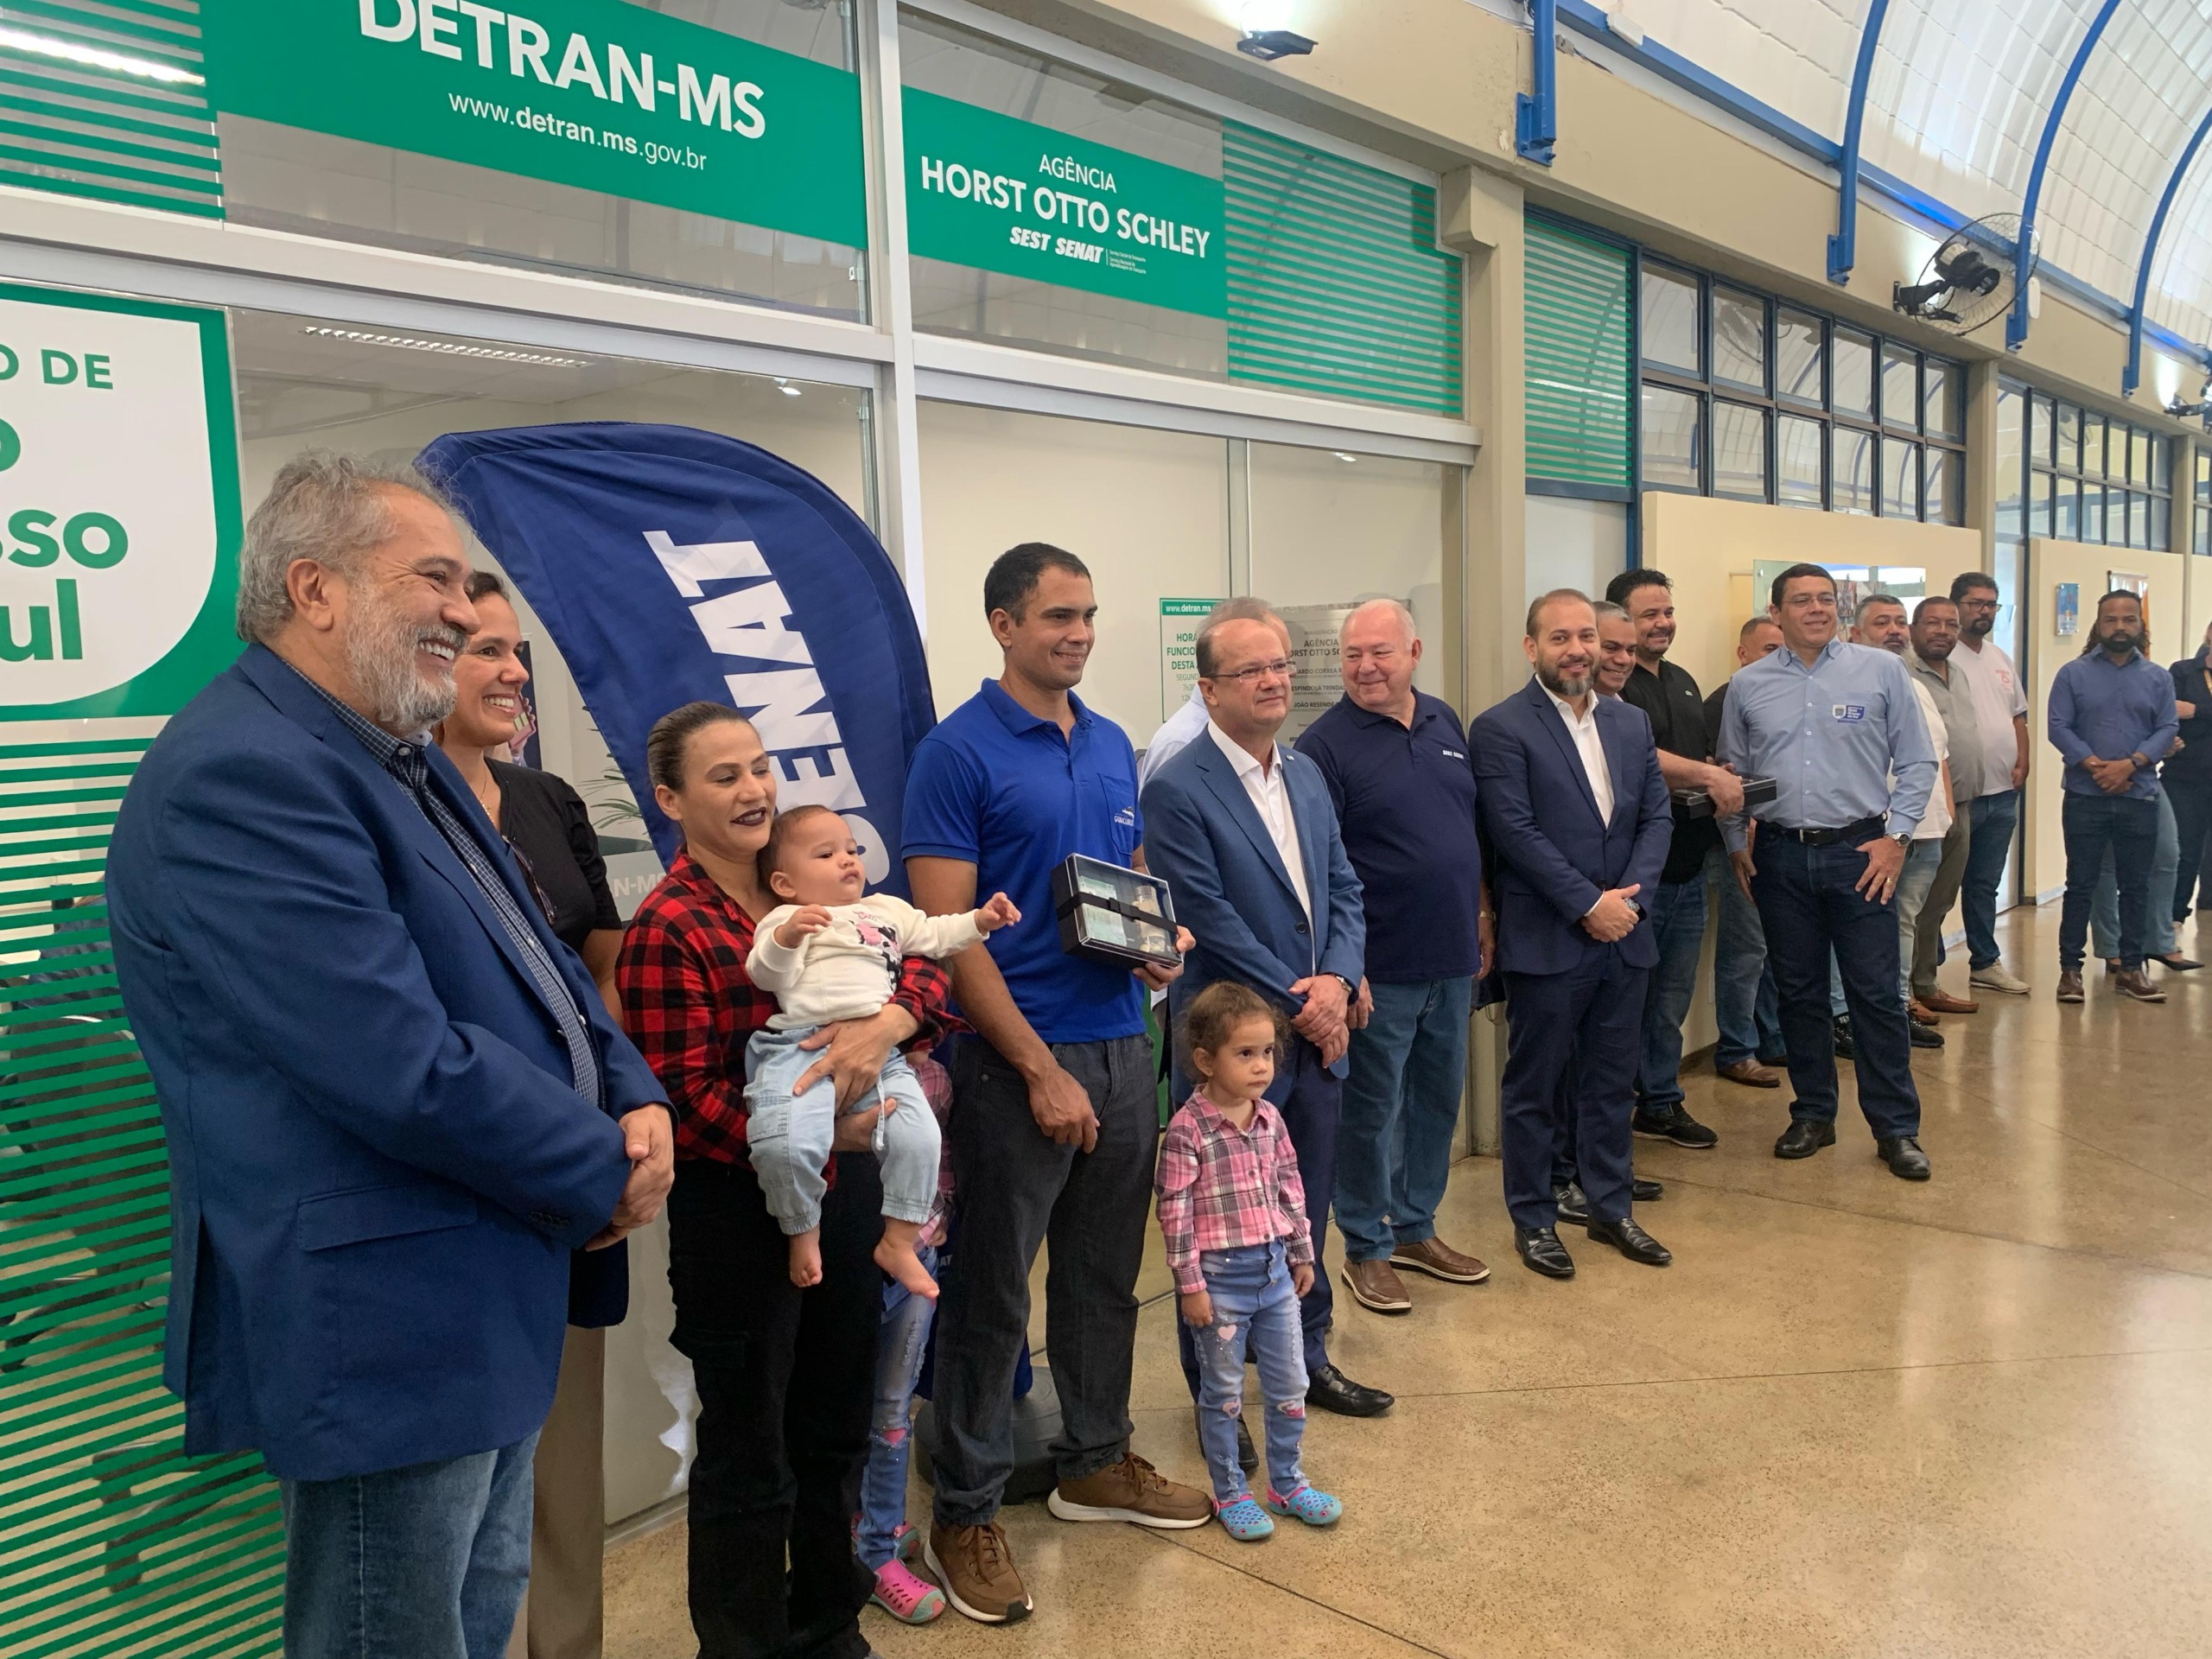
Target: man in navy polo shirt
1056, 1121
1395, 760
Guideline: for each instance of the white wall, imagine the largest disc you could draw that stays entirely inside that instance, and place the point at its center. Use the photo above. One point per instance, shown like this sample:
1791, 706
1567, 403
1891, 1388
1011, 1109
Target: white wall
1575, 543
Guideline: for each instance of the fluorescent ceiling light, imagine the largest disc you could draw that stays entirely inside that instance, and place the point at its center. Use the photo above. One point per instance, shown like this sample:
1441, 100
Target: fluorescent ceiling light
93, 57
787, 388
449, 348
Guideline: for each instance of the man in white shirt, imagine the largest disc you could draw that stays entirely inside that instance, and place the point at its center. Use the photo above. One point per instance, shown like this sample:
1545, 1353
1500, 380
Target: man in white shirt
1188, 722
2000, 706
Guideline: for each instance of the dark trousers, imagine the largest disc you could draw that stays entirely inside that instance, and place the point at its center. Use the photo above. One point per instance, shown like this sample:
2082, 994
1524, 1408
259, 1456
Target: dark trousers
1590, 1018
1311, 1102
2192, 802
1809, 906
1020, 1191
787, 1382
2130, 828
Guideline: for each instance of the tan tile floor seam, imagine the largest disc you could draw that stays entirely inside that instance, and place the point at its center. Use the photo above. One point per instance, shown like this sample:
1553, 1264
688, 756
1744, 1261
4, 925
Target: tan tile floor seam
1188, 1543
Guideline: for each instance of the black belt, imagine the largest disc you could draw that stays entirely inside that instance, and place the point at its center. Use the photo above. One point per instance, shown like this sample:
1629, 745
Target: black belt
1865, 829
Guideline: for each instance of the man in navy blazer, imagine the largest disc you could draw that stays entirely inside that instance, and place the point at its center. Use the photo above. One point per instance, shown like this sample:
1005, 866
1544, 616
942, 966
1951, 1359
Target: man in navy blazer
1578, 820
394, 1101
1244, 832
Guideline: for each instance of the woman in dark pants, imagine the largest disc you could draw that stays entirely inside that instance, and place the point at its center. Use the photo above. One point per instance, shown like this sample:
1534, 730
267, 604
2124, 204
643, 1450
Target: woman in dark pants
2187, 778
785, 1378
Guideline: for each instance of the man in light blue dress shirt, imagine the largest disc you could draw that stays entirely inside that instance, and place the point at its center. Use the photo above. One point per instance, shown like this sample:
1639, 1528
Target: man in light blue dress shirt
1839, 729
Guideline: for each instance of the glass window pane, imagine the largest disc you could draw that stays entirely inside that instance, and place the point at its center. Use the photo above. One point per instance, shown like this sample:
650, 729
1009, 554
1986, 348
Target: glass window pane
2204, 475
1900, 478
2139, 521
2066, 500
2039, 437
2093, 445
2203, 529
2162, 463
1738, 450
1798, 357
1798, 457
2138, 459
1670, 439
1670, 330
2012, 409
1941, 388
2069, 436
2038, 503
1738, 340
1900, 388
1942, 485
2093, 509
2161, 522
1852, 469
1854, 373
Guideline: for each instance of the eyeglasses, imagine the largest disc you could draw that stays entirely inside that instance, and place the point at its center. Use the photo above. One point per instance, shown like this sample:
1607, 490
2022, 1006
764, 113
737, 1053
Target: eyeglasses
1252, 673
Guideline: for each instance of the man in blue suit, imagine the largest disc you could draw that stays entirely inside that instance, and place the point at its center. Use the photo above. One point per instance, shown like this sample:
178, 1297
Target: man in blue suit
1578, 819
394, 1101
1244, 832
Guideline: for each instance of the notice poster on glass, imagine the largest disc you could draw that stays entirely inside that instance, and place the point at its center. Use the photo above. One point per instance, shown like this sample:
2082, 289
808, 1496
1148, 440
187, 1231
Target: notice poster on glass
2066, 611
1180, 622
1318, 681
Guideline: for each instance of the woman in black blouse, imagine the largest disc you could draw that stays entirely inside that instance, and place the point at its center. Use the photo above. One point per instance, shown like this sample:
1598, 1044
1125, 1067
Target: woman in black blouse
2187, 776
548, 827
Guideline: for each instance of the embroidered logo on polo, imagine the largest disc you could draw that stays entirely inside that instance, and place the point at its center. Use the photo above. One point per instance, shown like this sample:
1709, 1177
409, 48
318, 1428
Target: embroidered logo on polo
1848, 712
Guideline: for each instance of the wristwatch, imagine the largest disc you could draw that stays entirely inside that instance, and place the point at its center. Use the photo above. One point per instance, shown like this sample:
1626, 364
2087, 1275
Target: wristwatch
1904, 841
1352, 991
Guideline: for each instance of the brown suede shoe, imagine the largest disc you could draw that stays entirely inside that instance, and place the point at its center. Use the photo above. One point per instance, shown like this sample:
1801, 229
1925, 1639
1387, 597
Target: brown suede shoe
1131, 1490
1944, 1003
1376, 1289
2134, 981
977, 1569
1439, 1260
2069, 985
1750, 1073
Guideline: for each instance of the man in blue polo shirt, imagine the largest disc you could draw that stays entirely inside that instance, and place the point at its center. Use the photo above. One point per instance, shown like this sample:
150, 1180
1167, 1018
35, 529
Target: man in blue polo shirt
1395, 760
1056, 1125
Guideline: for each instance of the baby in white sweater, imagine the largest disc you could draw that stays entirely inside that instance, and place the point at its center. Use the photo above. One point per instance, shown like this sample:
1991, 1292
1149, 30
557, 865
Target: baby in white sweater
832, 954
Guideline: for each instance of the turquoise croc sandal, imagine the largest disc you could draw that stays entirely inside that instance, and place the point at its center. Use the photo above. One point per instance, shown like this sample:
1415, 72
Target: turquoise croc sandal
1314, 1507
1244, 1519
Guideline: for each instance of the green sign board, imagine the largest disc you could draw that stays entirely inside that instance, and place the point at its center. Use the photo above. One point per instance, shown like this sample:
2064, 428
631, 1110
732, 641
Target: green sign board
119, 518
584, 93
984, 189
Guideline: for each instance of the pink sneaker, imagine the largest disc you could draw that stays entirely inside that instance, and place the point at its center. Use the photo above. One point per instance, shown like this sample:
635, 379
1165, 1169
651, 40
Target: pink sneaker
905, 1597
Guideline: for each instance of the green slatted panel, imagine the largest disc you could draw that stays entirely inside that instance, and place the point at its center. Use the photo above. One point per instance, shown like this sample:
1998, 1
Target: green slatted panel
1576, 337
1336, 284
106, 99
112, 1543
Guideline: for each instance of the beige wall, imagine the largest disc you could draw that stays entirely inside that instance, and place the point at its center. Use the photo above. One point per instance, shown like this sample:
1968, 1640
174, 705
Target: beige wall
2053, 563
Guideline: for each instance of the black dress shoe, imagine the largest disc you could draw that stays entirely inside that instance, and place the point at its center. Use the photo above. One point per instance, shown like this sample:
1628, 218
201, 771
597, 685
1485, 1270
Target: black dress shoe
1803, 1138
1541, 1250
1644, 1191
1574, 1208
1631, 1241
1844, 1050
1903, 1156
1247, 1456
1332, 1390
1923, 1037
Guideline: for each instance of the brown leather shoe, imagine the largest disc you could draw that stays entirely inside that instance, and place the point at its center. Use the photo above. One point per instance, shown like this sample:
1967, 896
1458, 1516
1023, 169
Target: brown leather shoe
2069, 986
1376, 1289
1920, 1013
1131, 1490
2134, 981
977, 1569
1439, 1260
1750, 1074
1944, 1003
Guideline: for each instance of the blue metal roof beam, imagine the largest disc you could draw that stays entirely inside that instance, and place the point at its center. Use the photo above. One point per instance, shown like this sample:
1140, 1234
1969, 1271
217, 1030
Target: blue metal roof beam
2016, 324
1843, 247
1536, 115
2131, 376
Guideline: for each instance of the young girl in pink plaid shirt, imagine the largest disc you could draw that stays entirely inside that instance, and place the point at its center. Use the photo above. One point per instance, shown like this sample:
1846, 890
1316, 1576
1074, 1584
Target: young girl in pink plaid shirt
1233, 1211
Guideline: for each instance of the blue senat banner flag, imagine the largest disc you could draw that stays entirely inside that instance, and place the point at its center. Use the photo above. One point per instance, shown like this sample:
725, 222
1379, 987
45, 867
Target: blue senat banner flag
672, 565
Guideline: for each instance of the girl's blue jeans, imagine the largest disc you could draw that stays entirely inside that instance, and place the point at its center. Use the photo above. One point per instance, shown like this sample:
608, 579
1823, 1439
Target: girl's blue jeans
900, 1341
1255, 1311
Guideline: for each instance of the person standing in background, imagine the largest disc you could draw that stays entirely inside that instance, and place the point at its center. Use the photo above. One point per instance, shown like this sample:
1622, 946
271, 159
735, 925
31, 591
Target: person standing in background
1188, 722
1616, 648
1956, 727
2187, 776
2001, 712
1395, 762
1746, 1007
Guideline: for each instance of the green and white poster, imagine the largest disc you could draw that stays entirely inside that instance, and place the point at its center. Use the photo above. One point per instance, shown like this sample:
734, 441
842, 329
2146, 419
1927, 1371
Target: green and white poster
584, 92
1181, 620
987, 190
119, 519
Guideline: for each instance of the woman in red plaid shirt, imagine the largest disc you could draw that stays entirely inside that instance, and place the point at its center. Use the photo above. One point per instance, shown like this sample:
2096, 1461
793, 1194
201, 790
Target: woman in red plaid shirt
785, 1376
1232, 1209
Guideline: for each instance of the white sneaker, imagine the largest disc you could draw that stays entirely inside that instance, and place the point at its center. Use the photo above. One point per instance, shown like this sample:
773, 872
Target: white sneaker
1995, 978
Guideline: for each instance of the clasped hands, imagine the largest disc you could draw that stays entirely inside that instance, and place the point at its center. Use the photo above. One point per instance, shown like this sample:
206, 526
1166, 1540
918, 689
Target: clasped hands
1614, 917
2110, 775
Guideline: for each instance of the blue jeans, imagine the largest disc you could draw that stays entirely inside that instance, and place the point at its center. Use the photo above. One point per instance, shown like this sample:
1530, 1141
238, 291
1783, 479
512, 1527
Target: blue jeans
424, 1562
788, 1141
1809, 904
1744, 1005
900, 1342
1401, 1109
1913, 884
1995, 818
1255, 1311
1677, 913
2128, 829
2158, 920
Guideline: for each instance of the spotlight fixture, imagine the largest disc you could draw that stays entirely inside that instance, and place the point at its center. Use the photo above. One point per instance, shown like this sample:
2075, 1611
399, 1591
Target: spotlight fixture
2202, 406
787, 388
1269, 44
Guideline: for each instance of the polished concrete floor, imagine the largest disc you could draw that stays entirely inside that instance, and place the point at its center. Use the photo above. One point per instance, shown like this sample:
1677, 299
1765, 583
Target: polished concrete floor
1856, 1417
